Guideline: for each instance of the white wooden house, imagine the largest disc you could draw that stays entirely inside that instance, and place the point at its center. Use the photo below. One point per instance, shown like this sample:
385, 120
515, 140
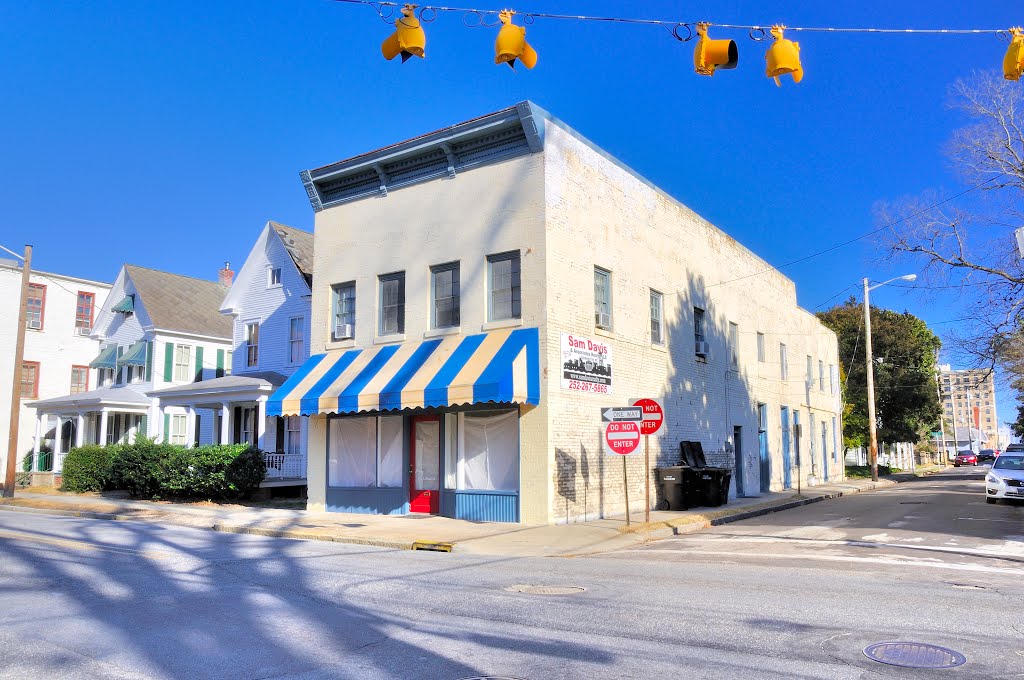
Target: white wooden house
269, 306
155, 330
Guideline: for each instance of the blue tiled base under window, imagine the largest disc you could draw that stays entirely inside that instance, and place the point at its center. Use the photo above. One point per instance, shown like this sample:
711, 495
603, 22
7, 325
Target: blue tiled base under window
481, 506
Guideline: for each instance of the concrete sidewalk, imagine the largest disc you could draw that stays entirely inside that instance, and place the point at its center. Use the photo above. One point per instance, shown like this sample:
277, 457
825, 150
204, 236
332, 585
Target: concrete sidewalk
431, 532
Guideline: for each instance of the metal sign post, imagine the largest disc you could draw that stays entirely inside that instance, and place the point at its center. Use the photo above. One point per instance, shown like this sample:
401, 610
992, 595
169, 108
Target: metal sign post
622, 427
653, 411
625, 486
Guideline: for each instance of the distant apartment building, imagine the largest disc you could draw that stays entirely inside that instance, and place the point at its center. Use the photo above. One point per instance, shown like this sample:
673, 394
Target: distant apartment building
59, 321
969, 400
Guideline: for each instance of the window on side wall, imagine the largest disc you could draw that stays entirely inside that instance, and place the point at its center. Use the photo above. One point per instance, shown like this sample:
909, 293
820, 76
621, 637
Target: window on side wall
273, 277
760, 348
734, 345
392, 304
700, 344
821, 376
79, 379
783, 361
657, 313
444, 286
296, 341
183, 363
30, 380
365, 452
84, 309
602, 298
503, 284
252, 344
35, 307
343, 306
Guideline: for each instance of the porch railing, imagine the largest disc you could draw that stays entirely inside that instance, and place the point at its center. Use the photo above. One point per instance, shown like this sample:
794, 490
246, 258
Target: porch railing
285, 465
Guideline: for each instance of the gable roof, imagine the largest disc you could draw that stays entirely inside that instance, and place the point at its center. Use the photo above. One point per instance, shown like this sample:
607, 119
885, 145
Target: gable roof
181, 303
299, 245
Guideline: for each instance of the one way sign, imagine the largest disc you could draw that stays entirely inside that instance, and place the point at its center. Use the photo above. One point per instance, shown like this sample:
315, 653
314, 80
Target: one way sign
622, 414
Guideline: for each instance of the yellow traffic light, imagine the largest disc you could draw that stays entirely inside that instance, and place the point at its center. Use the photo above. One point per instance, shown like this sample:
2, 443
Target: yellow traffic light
783, 57
511, 43
1013, 62
711, 54
408, 38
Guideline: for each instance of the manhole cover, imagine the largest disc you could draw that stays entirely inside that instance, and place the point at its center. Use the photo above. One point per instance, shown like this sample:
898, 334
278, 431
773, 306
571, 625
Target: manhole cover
546, 590
914, 655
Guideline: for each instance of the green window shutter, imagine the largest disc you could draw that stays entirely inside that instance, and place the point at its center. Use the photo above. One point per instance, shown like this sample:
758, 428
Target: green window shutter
199, 364
169, 362
220, 363
143, 426
149, 361
167, 428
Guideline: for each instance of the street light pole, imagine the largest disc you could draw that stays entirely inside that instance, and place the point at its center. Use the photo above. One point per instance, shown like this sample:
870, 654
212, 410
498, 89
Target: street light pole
19, 355
872, 429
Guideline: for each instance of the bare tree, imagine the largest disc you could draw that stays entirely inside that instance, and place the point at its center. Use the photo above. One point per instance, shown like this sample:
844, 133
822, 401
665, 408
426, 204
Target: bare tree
965, 241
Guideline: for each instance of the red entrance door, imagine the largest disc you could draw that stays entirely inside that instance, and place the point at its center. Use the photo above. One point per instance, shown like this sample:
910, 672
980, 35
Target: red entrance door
425, 464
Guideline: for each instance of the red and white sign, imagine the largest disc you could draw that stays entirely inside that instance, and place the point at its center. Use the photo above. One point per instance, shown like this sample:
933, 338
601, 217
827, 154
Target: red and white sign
622, 438
654, 414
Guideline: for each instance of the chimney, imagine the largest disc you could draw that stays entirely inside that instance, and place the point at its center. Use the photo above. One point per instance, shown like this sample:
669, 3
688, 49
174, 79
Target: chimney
226, 276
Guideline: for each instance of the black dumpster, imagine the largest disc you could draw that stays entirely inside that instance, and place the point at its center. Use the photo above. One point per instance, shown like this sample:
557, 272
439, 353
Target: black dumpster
710, 484
672, 491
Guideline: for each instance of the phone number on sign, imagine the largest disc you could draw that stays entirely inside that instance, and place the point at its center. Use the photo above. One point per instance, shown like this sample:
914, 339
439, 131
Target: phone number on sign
587, 387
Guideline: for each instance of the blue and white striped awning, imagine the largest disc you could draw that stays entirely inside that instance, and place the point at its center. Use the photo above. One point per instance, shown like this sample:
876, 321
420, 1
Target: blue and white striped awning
501, 367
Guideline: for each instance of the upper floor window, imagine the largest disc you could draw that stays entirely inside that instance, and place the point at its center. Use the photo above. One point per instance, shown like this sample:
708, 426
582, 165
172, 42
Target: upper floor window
734, 344
343, 304
183, 363
29, 379
296, 335
444, 283
252, 344
821, 375
35, 306
760, 348
104, 376
657, 312
228, 358
79, 379
783, 361
84, 313
698, 332
810, 372
602, 298
392, 303
273, 277
503, 286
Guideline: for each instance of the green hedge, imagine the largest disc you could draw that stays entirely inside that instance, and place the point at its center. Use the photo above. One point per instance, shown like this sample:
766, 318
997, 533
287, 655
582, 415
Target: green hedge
88, 468
146, 469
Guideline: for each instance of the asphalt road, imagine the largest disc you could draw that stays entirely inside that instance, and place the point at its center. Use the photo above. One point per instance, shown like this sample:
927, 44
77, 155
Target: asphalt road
797, 594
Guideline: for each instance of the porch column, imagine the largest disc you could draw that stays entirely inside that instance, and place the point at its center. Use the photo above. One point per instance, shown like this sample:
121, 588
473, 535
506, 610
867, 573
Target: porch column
190, 426
103, 426
80, 430
225, 423
58, 440
39, 441
261, 422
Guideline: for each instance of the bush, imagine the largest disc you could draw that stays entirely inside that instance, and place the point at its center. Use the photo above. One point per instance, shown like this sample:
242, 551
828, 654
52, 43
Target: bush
864, 471
138, 469
88, 468
150, 470
246, 471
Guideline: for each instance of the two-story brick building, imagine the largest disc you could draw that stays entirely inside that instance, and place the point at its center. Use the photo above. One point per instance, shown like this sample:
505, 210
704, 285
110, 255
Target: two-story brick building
480, 292
58, 346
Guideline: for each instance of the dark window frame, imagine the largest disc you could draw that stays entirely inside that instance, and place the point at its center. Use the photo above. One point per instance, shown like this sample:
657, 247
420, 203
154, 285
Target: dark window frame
455, 319
515, 294
399, 305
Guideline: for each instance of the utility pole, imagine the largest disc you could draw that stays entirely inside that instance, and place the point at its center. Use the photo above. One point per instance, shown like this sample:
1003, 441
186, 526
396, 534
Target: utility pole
19, 355
872, 430
942, 419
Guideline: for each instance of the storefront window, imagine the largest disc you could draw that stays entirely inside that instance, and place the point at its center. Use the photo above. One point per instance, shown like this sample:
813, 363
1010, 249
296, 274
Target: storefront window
366, 452
488, 451
451, 448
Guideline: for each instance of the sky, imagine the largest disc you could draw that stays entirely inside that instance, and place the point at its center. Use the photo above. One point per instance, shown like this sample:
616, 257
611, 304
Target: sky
167, 134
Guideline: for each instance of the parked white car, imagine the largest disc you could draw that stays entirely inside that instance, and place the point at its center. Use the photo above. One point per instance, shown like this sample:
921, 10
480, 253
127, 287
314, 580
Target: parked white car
1006, 478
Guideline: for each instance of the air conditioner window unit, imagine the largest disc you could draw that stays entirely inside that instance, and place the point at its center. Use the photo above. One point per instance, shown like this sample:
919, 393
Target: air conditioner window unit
603, 320
703, 348
344, 331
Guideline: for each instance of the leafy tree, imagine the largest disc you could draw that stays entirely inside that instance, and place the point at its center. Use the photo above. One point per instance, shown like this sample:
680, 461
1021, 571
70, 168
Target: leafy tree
906, 401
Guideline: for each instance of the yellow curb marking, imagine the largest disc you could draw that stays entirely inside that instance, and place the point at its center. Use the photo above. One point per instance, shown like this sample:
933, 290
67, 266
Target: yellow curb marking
83, 545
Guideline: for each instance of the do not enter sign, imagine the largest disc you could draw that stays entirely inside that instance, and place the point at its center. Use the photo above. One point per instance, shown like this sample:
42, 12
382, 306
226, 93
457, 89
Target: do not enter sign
622, 438
653, 413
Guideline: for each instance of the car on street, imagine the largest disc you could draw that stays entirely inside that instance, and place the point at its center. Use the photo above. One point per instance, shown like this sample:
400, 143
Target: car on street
1006, 478
987, 456
965, 458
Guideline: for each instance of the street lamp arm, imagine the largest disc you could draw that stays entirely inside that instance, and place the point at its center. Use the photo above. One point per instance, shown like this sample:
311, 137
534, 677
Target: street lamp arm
905, 277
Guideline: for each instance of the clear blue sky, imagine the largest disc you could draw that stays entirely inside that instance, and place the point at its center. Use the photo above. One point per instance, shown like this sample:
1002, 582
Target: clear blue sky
166, 134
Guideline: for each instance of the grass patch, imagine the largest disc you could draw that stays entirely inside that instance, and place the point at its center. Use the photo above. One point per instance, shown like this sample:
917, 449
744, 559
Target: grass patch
864, 471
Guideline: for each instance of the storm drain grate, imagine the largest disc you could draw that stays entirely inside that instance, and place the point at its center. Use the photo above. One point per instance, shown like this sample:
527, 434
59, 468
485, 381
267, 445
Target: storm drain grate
914, 655
546, 590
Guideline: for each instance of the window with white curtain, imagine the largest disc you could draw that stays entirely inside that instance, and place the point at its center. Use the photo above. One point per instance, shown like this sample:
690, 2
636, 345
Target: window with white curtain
366, 452
488, 451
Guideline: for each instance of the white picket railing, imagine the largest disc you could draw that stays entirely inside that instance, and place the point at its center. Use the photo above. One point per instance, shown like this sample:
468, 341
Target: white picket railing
285, 465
